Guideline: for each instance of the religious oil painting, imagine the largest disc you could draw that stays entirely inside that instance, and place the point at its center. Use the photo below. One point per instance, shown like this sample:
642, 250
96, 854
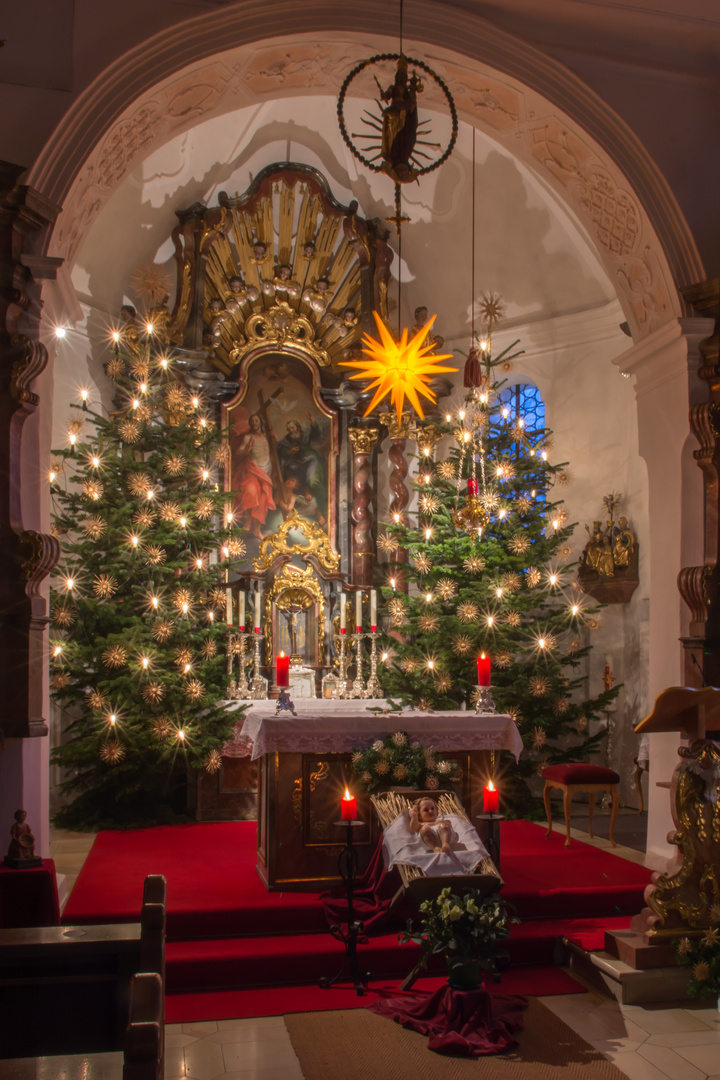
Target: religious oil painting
282, 449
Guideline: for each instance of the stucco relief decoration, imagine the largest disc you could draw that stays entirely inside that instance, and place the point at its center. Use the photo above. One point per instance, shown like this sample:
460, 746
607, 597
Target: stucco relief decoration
295, 67
553, 146
488, 100
612, 215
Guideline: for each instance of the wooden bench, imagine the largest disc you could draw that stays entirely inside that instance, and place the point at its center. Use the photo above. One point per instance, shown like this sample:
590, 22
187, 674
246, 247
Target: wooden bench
143, 1055
66, 989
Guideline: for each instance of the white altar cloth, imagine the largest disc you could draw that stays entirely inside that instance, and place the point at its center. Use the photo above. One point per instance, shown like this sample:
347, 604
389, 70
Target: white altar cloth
336, 727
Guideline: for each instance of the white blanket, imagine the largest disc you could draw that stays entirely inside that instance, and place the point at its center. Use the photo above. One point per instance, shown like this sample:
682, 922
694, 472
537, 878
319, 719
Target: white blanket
402, 846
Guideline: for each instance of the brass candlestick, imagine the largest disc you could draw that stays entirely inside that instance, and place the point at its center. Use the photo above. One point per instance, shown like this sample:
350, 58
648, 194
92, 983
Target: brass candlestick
484, 703
341, 690
259, 685
238, 688
373, 689
357, 690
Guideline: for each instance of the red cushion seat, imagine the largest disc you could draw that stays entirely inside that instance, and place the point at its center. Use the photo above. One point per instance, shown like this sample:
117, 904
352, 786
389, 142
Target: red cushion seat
580, 772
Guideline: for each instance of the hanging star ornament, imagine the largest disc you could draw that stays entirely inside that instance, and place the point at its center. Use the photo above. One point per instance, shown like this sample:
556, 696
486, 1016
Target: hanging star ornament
400, 368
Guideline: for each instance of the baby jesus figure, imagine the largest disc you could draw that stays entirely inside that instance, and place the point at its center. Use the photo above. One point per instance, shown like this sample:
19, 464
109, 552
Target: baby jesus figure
436, 833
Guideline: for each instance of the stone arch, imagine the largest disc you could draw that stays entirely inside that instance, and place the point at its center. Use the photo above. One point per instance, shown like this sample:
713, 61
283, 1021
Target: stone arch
576, 146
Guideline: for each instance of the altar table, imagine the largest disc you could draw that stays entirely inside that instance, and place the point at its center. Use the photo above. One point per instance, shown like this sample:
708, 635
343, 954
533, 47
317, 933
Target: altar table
305, 766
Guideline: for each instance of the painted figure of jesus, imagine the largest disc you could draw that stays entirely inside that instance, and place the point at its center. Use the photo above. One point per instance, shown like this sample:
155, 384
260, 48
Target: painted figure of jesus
252, 477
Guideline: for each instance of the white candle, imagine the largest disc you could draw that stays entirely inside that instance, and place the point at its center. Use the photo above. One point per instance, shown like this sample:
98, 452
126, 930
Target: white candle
373, 610
228, 606
257, 611
358, 610
241, 612
341, 601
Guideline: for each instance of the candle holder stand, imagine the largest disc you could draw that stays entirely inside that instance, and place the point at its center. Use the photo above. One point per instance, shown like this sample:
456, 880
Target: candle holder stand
357, 689
491, 840
606, 801
347, 867
373, 689
259, 686
238, 689
341, 690
485, 703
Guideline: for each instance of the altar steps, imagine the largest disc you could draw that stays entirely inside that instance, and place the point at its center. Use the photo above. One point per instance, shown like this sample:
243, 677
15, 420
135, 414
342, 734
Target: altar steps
233, 963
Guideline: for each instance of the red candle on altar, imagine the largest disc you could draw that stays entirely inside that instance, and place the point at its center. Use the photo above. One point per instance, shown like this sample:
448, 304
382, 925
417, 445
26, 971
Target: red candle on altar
483, 663
348, 806
472, 487
282, 670
491, 798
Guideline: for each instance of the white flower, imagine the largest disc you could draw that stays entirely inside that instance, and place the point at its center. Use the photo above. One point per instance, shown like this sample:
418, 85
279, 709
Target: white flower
454, 913
378, 745
444, 767
471, 907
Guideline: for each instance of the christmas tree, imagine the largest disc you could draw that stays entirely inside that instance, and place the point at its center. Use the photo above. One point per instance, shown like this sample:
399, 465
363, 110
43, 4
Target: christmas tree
483, 569
138, 606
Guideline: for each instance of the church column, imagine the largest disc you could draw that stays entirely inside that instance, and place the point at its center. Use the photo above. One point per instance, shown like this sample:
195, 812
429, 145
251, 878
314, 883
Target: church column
399, 432
700, 585
363, 440
664, 365
28, 553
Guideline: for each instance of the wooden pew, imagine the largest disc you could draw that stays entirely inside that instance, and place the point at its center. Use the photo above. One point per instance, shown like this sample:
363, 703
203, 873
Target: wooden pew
143, 1056
67, 989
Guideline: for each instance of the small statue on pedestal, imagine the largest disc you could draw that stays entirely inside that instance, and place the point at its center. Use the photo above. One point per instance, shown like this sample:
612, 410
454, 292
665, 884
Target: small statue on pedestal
21, 853
284, 704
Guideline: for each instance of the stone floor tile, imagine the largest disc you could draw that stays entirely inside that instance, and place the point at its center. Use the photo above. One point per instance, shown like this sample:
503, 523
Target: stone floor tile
177, 1038
174, 1062
199, 1027
204, 1060
705, 1058
287, 1072
636, 1067
669, 1062
249, 1034
241, 1057
657, 1020
688, 1038
252, 1021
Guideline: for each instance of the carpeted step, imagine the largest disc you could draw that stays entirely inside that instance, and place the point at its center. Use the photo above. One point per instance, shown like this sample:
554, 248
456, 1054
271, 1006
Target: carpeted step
275, 961
308, 997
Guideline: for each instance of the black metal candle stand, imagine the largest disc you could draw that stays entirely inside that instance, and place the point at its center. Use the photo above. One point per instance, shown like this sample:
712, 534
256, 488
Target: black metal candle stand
347, 867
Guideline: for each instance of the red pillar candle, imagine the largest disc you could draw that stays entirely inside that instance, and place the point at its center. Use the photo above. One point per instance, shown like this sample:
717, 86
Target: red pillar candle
483, 663
472, 487
491, 798
348, 806
282, 670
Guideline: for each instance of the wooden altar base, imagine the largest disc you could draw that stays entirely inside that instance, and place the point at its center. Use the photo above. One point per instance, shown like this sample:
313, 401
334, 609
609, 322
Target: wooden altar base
298, 844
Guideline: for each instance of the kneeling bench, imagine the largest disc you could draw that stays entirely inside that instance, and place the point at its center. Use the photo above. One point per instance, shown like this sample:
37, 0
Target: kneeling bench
580, 776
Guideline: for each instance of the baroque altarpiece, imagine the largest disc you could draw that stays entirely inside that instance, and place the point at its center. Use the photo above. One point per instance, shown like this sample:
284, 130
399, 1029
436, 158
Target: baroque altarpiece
275, 290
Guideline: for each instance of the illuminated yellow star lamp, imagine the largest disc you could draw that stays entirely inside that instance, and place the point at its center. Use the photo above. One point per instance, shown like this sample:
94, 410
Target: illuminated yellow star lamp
400, 368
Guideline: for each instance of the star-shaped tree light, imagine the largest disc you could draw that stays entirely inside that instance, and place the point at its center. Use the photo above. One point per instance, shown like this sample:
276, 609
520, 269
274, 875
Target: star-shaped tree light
400, 368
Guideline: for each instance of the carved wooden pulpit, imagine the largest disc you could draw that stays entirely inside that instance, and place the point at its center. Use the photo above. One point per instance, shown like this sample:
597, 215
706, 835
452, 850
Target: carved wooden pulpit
687, 901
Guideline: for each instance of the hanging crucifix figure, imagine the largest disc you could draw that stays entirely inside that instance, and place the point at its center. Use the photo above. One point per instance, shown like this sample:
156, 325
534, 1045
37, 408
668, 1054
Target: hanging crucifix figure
290, 605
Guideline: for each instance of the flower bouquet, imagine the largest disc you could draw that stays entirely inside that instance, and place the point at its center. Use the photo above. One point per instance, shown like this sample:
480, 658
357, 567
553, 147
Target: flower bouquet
396, 762
467, 929
704, 956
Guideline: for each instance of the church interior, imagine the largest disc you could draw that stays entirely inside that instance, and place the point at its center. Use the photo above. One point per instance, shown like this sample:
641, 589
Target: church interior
360, 461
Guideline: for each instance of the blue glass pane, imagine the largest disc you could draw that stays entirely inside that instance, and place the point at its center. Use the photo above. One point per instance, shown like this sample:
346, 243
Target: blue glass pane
524, 400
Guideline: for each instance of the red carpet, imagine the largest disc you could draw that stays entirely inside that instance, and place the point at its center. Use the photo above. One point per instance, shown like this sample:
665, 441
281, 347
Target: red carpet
280, 1000
225, 931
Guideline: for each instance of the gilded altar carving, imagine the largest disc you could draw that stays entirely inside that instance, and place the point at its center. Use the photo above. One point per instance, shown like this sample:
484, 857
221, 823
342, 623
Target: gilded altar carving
318, 544
609, 562
683, 901
277, 328
363, 439
397, 429
294, 590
